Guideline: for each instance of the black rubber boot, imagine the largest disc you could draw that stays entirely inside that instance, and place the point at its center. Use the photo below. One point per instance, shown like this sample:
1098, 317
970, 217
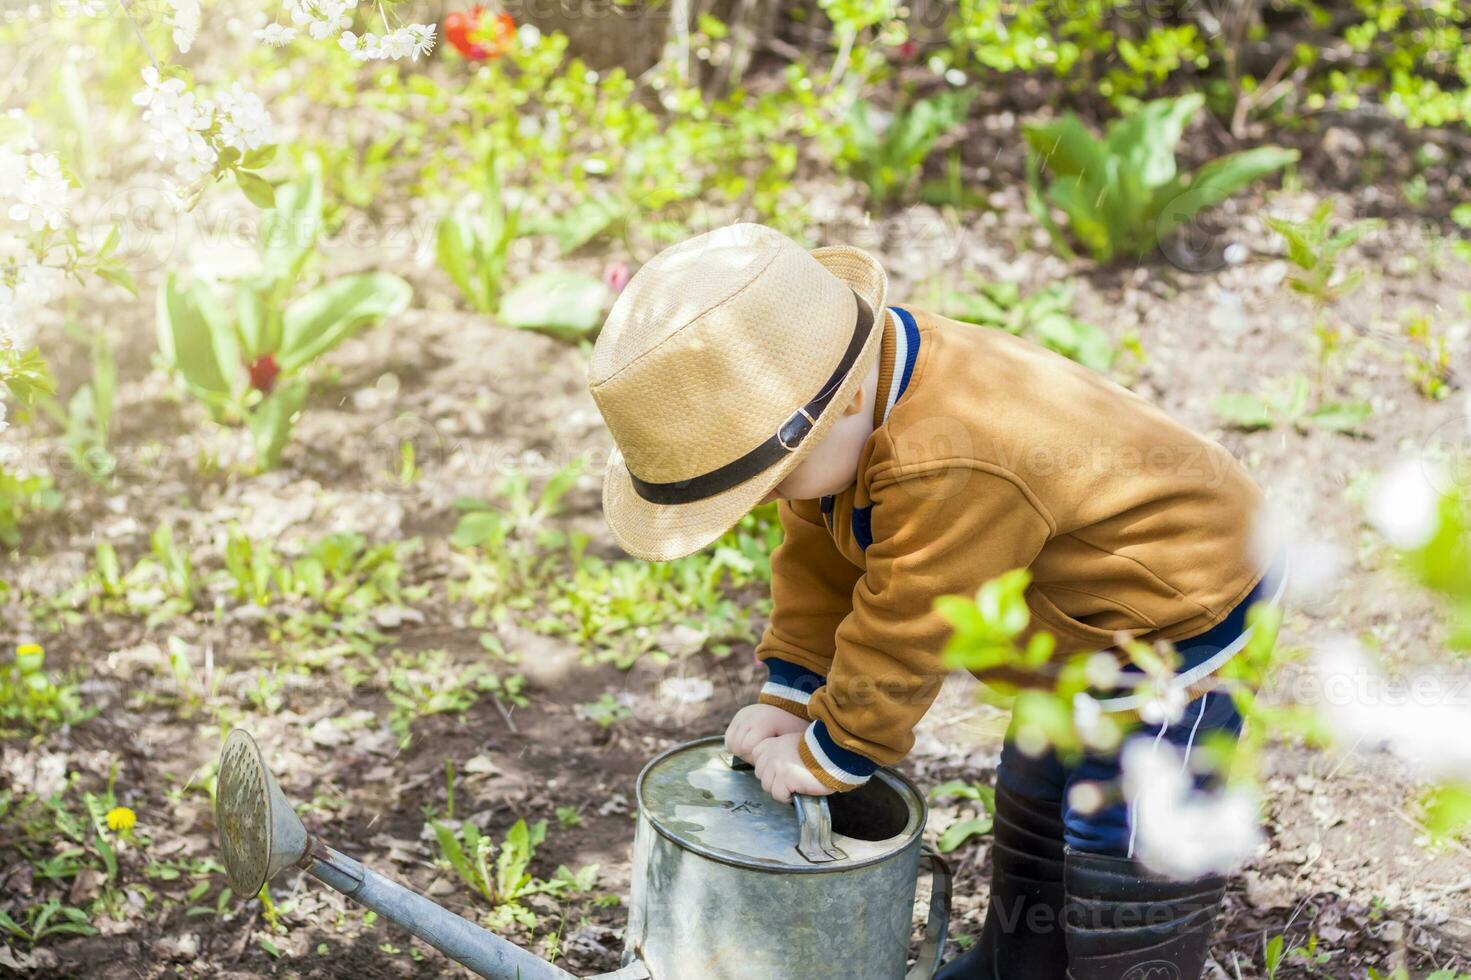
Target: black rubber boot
1125, 924
1023, 938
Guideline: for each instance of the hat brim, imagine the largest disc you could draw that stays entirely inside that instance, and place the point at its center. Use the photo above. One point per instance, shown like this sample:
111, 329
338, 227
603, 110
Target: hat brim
663, 532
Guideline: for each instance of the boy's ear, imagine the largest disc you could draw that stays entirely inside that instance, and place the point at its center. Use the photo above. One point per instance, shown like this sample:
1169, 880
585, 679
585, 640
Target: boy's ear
856, 405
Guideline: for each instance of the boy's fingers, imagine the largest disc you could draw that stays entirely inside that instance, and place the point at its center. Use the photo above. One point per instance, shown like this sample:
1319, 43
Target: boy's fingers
735, 737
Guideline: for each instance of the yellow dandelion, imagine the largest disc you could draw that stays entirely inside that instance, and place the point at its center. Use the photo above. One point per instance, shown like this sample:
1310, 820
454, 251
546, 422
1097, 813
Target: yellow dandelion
121, 819
29, 650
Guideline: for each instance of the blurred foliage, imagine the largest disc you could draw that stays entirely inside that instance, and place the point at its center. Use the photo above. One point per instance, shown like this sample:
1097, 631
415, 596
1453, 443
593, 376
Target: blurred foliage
1288, 56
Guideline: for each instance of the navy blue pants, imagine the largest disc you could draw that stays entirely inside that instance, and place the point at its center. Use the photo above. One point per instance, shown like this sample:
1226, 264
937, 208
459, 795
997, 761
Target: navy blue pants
1106, 830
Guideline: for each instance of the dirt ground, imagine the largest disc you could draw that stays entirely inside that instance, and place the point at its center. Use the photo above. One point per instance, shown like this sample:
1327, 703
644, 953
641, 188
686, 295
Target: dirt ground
1346, 860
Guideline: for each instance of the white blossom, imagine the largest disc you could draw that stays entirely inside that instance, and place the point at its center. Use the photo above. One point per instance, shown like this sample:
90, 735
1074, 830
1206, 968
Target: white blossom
1179, 831
1089, 721
366, 47
189, 132
184, 17
321, 18
1314, 565
423, 38
1404, 505
34, 285
1423, 719
1165, 704
243, 120
276, 35
3, 424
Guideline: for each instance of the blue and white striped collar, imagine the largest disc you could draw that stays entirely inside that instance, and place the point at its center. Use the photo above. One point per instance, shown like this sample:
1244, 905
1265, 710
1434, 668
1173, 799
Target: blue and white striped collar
906, 352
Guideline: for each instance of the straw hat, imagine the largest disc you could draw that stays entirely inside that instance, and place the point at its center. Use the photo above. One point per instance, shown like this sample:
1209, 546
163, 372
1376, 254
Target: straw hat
725, 360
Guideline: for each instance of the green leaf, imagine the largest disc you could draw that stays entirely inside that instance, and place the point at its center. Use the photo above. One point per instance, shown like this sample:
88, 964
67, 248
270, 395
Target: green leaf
118, 276
1144, 141
258, 157
962, 831
1064, 146
1341, 416
271, 421
329, 314
257, 189
454, 244
197, 340
1215, 182
252, 312
1448, 811
289, 231
1243, 411
569, 305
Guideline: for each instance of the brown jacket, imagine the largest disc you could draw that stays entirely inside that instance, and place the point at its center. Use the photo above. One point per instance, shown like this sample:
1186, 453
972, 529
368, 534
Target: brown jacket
991, 453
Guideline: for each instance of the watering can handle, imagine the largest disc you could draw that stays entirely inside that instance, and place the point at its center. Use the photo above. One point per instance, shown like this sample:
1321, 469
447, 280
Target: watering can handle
937, 925
814, 820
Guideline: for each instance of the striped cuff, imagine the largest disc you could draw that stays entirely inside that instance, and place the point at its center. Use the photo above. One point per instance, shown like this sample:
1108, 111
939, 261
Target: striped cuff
789, 686
835, 767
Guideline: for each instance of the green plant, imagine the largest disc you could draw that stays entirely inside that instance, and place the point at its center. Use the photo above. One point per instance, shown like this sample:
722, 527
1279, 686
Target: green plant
31, 699
1123, 193
887, 151
428, 682
1314, 250
1290, 401
50, 918
1428, 359
87, 419
472, 244
20, 497
504, 884
963, 830
247, 359
606, 711
1045, 317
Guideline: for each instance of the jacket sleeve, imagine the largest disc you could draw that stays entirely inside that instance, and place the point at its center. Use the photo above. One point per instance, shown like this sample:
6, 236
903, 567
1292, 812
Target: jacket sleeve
938, 534
811, 593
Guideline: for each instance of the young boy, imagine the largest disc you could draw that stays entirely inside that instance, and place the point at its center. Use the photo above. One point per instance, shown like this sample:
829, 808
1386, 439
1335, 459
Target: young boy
916, 457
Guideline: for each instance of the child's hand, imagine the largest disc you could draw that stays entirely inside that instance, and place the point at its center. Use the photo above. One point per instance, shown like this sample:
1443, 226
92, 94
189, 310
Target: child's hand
754, 724
782, 771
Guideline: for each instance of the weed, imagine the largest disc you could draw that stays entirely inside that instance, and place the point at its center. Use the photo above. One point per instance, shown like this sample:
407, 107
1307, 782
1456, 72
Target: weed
1314, 251
983, 796
1045, 317
1124, 192
428, 682
1290, 401
887, 150
1428, 359
472, 243
508, 881
606, 711
31, 700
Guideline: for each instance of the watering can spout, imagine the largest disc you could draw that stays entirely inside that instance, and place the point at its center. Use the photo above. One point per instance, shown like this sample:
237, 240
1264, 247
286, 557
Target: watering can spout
261, 836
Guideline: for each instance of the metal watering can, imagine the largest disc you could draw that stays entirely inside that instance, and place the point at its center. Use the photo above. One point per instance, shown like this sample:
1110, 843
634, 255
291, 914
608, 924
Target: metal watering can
727, 883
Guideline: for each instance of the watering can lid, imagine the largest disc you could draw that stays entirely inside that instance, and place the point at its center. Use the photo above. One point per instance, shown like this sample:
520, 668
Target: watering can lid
692, 795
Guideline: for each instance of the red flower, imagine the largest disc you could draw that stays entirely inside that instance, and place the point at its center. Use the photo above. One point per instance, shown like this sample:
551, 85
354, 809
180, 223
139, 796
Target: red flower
475, 38
908, 49
263, 371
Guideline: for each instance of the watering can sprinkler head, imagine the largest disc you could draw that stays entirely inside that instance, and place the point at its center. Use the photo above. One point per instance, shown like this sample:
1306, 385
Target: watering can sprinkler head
260, 834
